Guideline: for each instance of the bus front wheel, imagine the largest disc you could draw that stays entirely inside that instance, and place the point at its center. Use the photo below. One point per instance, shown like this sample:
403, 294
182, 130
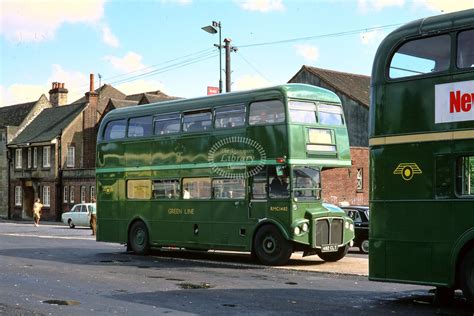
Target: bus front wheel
270, 247
334, 256
466, 276
138, 240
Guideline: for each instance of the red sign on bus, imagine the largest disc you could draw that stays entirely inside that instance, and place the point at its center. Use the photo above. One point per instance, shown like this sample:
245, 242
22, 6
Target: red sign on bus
212, 90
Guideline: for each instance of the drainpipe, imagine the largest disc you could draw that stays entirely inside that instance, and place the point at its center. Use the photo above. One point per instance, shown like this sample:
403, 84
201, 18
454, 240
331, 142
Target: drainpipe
9, 162
59, 191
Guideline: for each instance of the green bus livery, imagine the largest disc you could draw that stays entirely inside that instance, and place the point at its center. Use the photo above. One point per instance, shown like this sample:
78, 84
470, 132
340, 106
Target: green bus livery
238, 171
421, 131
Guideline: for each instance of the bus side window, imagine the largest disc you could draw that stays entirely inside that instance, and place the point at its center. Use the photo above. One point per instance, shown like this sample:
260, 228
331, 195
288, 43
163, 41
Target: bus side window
167, 124
278, 182
259, 185
197, 121
465, 176
466, 49
266, 112
140, 126
196, 188
229, 116
166, 189
421, 56
228, 188
115, 130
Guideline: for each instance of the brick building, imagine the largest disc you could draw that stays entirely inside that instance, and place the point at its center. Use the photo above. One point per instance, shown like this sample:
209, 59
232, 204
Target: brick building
53, 158
13, 119
346, 185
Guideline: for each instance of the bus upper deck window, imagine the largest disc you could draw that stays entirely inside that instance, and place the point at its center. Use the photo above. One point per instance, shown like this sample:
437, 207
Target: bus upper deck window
465, 176
167, 124
115, 129
229, 116
465, 58
330, 114
421, 56
140, 126
302, 112
266, 112
197, 121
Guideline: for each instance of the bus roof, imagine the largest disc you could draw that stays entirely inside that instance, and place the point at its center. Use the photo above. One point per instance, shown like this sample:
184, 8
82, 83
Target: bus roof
301, 91
424, 27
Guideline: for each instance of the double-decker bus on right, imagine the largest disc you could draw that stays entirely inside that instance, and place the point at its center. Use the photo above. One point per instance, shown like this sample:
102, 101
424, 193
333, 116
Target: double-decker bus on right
421, 134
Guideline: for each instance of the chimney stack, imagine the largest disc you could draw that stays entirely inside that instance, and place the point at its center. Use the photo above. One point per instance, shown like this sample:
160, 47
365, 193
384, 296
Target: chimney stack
89, 125
58, 94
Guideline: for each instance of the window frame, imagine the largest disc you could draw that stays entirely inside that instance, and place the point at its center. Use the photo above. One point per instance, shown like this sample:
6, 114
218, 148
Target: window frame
129, 182
175, 197
29, 158
458, 34
183, 190
150, 130
229, 109
46, 192
459, 174
71, 162
18, 196
71, 194
47, 156
396, 48
108, 139
65, 194
196, 113
213, 190
266, 122
177, 116
35, 157
83, 194
19, 158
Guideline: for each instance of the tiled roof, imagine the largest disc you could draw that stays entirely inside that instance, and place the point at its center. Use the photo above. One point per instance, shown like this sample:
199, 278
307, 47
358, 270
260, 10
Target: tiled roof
117, 104
49, 123
105, 92
355, 86
13, 115
151, 95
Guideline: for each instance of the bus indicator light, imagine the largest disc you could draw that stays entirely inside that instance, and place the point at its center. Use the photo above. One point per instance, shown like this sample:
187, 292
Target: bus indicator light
280, 160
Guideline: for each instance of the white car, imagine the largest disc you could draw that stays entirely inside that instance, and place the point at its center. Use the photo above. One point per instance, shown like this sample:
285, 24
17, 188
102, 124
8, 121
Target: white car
79, 215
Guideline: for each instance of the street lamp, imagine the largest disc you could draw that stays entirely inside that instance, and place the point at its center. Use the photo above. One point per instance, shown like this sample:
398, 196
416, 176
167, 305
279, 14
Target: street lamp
214, 28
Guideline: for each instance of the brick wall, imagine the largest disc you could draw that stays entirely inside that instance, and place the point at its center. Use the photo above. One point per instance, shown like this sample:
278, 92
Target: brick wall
340, 184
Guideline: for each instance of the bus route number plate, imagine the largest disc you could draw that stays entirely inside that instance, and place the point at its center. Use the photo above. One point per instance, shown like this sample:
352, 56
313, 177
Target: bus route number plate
329, 248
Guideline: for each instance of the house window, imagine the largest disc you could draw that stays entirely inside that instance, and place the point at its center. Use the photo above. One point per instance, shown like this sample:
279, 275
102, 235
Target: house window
46, 196
92, 194
83, 194
360, 179
46, 156
29, 157
35, 157
66, 194
18, 158
18, 196
71, 194
71, 154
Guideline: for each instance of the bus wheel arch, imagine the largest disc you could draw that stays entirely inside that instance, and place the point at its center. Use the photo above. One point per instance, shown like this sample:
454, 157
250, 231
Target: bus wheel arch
465, 271
138, 237
271, 245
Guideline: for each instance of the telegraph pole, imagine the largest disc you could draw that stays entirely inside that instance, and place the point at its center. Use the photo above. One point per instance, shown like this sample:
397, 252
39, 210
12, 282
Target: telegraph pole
228, 50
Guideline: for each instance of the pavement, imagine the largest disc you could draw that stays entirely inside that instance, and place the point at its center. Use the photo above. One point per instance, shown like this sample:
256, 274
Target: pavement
349, 265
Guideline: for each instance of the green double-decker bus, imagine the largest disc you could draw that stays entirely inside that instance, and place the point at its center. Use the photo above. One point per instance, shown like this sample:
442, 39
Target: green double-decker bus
422, 155
238, 171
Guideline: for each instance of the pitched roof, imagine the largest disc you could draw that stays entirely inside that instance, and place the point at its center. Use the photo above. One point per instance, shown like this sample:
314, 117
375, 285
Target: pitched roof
13, 115
149, 97
355, 86
117, 104
105, 92
48, 124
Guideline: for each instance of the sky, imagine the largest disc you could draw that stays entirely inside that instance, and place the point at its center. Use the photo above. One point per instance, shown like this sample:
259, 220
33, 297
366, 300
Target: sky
149, 45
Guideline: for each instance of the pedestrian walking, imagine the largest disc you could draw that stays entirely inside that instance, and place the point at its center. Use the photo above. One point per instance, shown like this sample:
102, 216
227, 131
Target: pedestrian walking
37, 206
93, 222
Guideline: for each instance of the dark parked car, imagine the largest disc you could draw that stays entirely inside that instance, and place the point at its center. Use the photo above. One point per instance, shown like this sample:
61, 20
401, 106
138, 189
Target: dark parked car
360, 215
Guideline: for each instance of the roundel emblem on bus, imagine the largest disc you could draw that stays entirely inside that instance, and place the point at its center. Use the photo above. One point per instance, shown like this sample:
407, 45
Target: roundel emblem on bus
237, 157
407, 170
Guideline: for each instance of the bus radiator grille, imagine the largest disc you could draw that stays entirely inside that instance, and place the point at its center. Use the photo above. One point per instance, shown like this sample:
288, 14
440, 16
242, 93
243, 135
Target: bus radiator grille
328, 231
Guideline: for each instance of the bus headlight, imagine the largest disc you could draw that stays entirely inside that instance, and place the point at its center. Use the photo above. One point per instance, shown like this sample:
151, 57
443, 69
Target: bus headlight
305, 227
351, 227
297, 230
347, 225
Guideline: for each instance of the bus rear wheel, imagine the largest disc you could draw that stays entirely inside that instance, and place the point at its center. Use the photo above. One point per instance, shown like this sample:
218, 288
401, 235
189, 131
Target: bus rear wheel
270, 247
466, 276
334, 256
138, 240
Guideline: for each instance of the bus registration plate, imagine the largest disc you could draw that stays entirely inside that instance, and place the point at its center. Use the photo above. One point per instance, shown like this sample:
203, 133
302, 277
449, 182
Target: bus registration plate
329, 248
